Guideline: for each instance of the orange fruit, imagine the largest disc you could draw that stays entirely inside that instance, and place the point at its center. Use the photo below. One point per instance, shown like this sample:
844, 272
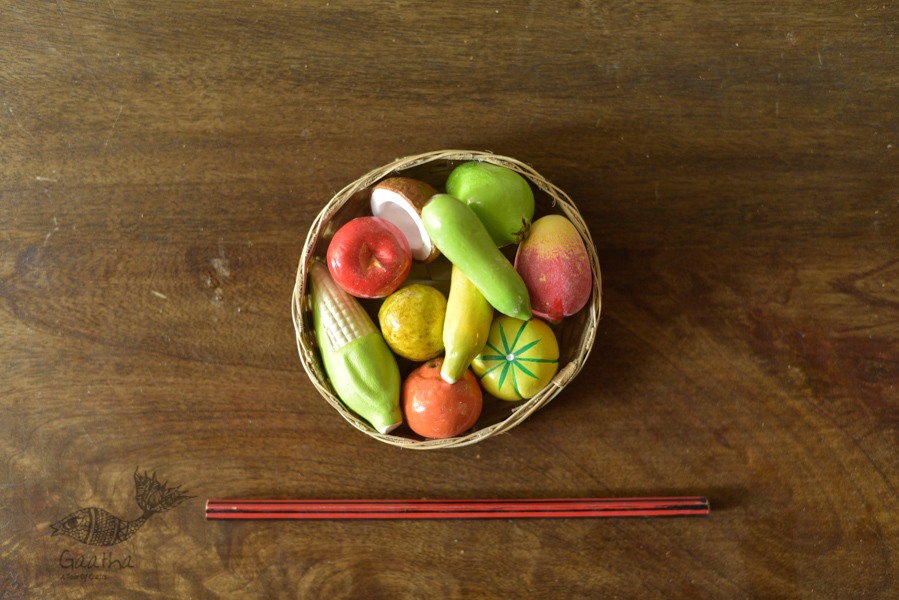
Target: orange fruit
436, 409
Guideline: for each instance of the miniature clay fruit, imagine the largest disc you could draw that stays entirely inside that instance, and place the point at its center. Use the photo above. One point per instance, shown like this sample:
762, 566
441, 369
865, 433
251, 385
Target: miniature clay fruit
411, 320
466, 326
369, 257
554, 264
464, 241
400, 200
500, 197
434, 408
360, 366
519, 360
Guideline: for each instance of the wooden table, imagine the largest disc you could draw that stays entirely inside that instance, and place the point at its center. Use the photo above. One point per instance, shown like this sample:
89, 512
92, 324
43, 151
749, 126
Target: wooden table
162, 162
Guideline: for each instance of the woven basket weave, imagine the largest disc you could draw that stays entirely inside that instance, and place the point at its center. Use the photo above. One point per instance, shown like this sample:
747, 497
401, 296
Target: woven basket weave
575, 334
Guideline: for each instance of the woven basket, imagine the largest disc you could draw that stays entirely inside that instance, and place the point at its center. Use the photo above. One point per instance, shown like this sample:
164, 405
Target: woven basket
575, 334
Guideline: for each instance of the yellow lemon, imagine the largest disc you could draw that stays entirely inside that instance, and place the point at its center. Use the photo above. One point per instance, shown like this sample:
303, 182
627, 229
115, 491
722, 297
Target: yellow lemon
411, 321
520, 358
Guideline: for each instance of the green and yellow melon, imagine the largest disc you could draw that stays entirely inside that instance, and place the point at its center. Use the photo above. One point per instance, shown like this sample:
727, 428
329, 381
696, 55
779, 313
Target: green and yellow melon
519, 359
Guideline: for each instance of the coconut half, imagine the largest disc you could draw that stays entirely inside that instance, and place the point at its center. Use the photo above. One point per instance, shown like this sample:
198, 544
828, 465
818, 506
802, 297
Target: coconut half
400, 200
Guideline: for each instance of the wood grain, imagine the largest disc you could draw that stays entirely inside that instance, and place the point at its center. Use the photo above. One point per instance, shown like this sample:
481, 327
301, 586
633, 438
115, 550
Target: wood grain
161, 163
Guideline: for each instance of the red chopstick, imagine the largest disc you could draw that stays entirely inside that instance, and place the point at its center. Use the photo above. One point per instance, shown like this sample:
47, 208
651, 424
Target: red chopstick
671, 506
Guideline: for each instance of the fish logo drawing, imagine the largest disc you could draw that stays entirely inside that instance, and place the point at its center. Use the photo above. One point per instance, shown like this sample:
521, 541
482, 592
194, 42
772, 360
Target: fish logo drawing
97, 527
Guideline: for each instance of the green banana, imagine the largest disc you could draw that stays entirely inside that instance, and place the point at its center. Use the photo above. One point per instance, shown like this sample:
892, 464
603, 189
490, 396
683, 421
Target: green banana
458, 233
465, 327
362, 369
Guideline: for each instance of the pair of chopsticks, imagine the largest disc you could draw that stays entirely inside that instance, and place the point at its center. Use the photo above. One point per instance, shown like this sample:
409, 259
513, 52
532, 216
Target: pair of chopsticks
672, 506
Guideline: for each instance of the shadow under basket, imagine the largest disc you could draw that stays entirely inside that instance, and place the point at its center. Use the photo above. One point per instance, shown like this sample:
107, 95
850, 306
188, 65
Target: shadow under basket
575, 334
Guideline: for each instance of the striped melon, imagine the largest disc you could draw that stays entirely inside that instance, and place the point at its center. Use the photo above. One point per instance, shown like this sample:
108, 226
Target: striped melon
519, 359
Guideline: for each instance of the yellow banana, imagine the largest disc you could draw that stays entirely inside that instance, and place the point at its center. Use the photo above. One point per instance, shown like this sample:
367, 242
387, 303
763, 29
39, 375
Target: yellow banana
466, 326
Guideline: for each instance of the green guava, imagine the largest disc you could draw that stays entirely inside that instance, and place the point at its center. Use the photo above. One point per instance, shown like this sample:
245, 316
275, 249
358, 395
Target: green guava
501, 198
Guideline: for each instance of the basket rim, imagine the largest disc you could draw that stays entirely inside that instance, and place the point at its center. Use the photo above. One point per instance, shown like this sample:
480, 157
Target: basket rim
520, 412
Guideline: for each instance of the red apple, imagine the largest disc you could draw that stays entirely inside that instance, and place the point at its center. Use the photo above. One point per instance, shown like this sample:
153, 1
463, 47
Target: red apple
369, 257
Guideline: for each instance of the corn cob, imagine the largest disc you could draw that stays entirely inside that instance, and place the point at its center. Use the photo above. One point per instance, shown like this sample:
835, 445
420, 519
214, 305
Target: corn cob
465, 327
362, 369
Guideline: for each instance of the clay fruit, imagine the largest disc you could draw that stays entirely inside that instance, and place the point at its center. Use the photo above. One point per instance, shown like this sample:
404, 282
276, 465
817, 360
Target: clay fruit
436, 409
519, 360
400, 200
465, 242
466, 326
369, 257
555, 267
360, 366
411, 320
500, 197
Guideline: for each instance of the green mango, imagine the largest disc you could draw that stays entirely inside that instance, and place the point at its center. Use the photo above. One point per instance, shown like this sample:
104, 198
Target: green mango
501, 198
462, 238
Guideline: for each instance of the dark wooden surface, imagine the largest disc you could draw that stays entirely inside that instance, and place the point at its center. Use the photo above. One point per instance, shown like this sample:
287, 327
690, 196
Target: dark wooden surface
737, 164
